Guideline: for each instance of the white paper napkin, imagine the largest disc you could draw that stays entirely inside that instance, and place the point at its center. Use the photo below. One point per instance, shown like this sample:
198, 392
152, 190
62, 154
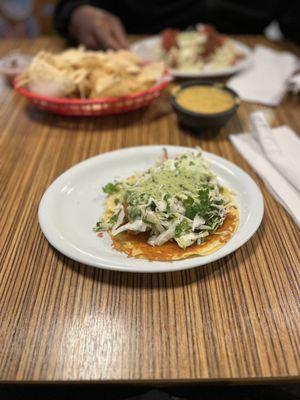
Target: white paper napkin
279, 156
288, 144
265, 81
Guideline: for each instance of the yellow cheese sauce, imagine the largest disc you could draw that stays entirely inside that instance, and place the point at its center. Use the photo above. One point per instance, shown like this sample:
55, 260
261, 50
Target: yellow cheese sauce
205, 99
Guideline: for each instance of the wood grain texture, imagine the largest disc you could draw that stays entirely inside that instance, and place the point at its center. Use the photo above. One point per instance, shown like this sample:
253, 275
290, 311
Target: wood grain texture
235, 319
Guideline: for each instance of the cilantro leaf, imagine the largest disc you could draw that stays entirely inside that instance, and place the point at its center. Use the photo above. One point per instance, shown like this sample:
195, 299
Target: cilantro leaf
113, 219
201, 206
99, 227
111, 188
181, 228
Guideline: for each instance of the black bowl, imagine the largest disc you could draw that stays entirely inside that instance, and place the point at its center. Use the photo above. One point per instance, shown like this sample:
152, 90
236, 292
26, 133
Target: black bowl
197, 120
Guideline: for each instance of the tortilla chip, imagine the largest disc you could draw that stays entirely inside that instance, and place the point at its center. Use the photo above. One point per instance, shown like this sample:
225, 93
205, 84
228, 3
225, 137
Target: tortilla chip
151, 72
90, 74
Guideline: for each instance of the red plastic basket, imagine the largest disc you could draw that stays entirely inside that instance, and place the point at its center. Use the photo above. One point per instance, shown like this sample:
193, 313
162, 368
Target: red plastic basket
92, 107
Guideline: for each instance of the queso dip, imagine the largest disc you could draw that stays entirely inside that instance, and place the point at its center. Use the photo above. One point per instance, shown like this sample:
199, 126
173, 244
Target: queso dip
205, 99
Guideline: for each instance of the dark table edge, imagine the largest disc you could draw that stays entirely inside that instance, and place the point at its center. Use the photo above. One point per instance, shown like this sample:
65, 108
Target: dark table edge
161, 382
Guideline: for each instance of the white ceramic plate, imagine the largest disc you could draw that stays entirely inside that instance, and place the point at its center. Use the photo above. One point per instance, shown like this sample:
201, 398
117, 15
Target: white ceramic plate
146, 49
73, 203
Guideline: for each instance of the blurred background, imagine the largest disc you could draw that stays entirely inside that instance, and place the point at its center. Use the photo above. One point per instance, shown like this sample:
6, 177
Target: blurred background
30, 18
25, 18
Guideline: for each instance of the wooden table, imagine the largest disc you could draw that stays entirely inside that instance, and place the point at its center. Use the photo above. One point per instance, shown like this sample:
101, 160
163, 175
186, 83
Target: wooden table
234, 320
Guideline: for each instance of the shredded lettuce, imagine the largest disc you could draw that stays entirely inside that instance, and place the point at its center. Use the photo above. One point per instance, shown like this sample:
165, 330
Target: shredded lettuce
178, 199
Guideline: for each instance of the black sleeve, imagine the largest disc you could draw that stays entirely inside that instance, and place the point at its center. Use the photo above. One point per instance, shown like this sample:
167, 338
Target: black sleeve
289, 19
62, 14
243, 16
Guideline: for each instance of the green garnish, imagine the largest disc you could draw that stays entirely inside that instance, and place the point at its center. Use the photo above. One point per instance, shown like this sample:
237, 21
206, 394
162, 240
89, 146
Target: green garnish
200, 206
111, 188
182, 227
99, 227
113, 219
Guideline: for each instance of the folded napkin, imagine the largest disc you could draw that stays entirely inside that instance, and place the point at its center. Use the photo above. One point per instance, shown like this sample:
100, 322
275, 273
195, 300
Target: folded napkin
265, 81
277, 155
274, 155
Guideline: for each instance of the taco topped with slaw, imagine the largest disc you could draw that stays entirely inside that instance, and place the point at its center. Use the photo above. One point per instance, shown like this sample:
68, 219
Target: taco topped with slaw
174, 210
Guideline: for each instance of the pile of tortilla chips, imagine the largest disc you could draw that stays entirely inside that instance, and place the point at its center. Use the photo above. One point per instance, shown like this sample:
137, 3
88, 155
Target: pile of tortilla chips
77, 73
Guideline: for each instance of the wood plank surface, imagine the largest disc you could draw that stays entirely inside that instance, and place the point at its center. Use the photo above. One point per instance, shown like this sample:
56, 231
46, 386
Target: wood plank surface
236, 319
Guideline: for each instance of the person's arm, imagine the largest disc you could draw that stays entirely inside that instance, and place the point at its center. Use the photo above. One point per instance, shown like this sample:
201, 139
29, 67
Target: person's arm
83, 22
62, 13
